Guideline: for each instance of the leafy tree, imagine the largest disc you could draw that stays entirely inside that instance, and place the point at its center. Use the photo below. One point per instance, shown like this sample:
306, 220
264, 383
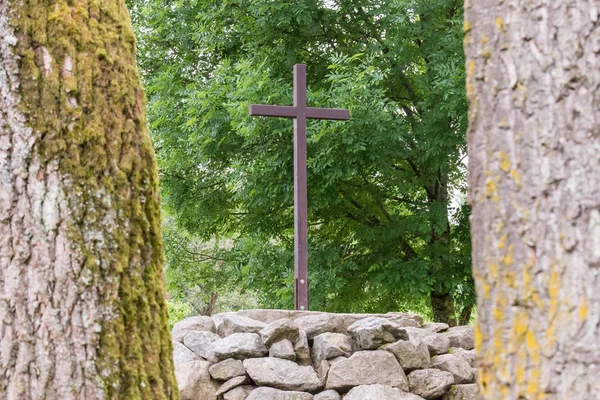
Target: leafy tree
381, 233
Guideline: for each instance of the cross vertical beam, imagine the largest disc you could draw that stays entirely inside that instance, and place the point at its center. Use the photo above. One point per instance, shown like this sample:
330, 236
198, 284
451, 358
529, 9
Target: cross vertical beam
300, 112
300, 189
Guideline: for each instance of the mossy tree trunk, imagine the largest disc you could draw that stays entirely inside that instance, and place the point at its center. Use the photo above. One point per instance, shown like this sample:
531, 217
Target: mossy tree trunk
533, 83
82, 300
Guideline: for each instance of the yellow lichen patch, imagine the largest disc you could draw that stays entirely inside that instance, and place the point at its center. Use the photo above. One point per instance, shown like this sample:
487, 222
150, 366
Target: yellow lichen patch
554, 291
494, 271
516, 177
471, 68
583, 310
486, 290
487, 54
484, 40
499, 226
510, 280
478, 337
504, 161
508, 258
491, 190
502, 241
466, 27
499, 23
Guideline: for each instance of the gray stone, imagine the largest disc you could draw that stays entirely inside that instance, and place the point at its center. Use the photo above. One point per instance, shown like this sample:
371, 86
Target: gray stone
238, 393
461, 336
199, 342
316, 324
328, 395
267, 393
322, 369
404, 321
232, 383
410, 355
394, 316
227, 369
430, 383
238, 346
198, 323
366, 368
230, 323
379, 392
436, 342
302, 350
436, 327
194, 381
463, 392
457, 366
267, 316
283, 349
282, 374
371, 332
469, 355
278, 330
331, 345
182, 354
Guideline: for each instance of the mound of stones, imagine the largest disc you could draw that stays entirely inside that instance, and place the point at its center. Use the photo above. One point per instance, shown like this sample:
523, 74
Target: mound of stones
301, 355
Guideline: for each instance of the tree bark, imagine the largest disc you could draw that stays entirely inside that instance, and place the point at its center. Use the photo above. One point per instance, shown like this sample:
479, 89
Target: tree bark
442, 305
82, 299
533, 83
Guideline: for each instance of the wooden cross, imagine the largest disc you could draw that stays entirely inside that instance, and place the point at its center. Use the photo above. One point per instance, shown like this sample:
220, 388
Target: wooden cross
300, 113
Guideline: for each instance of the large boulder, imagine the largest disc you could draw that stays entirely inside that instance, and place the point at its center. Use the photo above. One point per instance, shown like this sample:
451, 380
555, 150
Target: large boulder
366, 368
468, 355
430, 383
457, 366
411, 355
238, 346
227, 369
199, 342
194, 381
379, 392
283, 349
279, 330
182, 354
436, 342
371, 332
315, 324
328, 395
267, 393
461, 336
198, 323
282, 374
230, 323
330, 345
238, 393
463, 392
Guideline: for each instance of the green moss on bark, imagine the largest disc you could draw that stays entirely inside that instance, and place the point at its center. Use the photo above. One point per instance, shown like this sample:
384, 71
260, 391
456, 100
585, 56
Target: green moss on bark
82, 95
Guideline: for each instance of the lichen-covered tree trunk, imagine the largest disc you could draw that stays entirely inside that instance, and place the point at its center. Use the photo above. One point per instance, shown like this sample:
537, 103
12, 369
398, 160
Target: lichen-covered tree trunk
533, 83
82, 301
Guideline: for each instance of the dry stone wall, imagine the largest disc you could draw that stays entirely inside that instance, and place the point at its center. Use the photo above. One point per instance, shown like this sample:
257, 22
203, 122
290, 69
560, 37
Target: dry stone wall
301, 355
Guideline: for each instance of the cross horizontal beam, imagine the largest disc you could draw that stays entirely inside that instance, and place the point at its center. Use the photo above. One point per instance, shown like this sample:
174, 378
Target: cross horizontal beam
261, 110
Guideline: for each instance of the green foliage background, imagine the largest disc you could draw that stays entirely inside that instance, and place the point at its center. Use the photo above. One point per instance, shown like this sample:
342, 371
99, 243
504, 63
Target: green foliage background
384, 232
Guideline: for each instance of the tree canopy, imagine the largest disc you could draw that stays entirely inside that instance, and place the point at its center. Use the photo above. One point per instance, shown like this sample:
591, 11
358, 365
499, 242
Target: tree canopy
387, 220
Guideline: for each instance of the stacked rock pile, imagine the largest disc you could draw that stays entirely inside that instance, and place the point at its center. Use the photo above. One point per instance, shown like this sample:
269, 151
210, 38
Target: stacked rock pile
300, 355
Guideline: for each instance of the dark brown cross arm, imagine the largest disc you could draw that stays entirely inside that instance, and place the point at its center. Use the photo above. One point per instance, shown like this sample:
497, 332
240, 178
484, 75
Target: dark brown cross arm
300, 113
